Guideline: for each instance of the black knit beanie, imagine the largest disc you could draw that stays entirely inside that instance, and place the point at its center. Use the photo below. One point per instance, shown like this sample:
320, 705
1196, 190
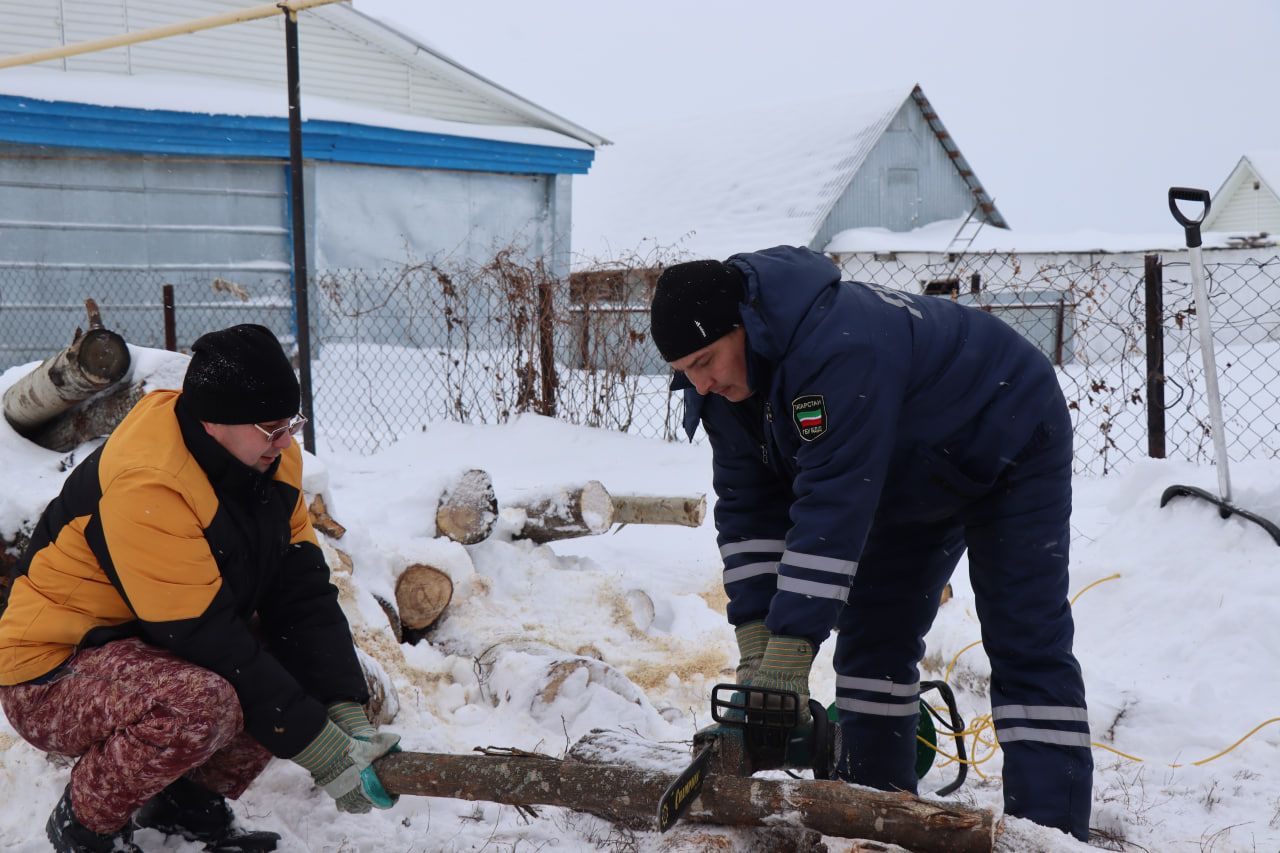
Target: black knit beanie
695, 304
240, 375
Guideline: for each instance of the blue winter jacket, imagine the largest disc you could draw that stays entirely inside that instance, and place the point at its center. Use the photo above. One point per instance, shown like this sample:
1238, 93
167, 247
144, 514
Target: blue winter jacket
872, 407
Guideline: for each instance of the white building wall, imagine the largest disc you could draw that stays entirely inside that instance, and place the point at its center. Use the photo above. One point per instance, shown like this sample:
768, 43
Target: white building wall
1249, 209
337, 51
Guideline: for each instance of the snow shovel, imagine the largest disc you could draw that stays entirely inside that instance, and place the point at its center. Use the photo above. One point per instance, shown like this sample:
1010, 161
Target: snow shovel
1204, 329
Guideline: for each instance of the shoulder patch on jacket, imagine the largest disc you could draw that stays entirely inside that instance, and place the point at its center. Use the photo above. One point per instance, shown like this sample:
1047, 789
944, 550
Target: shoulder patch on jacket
809, 414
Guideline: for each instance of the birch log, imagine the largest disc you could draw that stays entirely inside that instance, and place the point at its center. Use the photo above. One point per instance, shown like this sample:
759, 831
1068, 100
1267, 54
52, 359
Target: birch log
629, 796
422, 594
92, 418
92, 363
467, 508
567, 513
658, 509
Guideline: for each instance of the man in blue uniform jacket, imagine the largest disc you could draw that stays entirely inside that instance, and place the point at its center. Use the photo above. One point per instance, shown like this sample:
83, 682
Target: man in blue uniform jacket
863, 439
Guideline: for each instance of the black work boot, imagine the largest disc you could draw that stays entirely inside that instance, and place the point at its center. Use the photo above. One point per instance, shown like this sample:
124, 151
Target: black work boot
198, 814
68, 835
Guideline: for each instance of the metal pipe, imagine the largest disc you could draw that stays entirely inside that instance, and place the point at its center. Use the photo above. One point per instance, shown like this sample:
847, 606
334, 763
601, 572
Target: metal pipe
1204, 331
182, 28
299, 225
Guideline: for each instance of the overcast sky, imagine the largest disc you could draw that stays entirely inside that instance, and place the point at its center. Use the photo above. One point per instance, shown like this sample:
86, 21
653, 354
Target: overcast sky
1076, 114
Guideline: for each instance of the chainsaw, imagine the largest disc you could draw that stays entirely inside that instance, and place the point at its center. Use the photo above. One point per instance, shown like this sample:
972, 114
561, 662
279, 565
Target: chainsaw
760, 728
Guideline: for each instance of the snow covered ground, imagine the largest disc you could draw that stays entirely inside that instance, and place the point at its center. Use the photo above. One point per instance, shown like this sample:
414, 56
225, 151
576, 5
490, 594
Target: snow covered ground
1176, 632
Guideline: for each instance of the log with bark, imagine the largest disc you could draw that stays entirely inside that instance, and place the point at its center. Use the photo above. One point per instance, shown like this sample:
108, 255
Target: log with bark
629, 796
95, 417
322, 521
693, 838
468, 508
565, 513
94, 361
658, 509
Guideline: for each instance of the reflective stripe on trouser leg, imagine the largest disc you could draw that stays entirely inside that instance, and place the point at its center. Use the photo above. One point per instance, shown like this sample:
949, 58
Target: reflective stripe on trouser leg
892, 603
1018, 556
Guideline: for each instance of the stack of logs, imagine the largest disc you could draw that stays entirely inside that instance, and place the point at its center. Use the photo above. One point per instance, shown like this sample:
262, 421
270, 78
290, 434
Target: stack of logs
468, 512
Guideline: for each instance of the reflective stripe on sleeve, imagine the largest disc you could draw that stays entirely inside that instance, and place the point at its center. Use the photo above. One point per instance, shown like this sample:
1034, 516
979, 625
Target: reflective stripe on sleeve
750, 570
817, 590
820, 564
752, 546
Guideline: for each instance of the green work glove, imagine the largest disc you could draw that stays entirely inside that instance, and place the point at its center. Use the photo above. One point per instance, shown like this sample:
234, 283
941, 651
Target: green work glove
753, 637
785, 666
351, 718
343, 766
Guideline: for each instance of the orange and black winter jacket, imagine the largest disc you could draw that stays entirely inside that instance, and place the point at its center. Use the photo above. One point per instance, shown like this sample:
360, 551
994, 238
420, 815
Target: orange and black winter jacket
161, 533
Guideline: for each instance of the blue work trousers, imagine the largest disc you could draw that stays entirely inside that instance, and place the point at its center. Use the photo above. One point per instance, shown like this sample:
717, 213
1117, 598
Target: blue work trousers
1017, 535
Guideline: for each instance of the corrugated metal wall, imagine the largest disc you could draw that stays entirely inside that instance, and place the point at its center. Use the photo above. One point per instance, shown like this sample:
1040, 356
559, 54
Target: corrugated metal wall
77, 224
906, 181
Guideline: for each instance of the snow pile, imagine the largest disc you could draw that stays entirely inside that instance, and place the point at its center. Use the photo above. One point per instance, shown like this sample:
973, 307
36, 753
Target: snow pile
543, 643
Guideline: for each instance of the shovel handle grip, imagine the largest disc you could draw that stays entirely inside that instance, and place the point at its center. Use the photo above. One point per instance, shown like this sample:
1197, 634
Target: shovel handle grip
1191, 226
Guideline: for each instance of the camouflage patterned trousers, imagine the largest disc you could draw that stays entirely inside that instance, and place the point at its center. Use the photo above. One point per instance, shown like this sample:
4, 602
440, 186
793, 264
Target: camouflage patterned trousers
137, 718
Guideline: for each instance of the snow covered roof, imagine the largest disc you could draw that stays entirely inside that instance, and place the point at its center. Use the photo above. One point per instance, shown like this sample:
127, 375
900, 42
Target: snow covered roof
190, 94
350, 64
710, 184
936, 237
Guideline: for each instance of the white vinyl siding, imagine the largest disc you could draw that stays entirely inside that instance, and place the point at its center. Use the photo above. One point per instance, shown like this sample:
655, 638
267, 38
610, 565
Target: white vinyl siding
1248, 210
343, 55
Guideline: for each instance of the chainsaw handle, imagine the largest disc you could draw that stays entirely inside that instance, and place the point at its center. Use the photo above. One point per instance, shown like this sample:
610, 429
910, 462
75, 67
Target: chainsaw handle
1191, 226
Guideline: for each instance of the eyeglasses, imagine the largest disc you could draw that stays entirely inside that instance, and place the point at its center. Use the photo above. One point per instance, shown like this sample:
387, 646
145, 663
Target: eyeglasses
293, 427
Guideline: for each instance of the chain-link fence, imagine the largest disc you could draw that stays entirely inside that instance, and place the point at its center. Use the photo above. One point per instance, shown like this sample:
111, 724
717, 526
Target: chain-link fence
395, 350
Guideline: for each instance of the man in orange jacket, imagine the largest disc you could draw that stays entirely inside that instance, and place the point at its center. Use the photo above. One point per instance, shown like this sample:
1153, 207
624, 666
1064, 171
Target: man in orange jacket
172, 623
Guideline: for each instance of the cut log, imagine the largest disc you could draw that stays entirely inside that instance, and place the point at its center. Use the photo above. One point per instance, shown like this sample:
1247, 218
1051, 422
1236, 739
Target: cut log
628, 796
570, 512
656, 509
95, 417
322, 521
422, 594
384, 704
468, 508
94, 362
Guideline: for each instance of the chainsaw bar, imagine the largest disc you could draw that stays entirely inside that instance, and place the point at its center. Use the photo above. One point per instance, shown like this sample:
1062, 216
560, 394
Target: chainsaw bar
684, 789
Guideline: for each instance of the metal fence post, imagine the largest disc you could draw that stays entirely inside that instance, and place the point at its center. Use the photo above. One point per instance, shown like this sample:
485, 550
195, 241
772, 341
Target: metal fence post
547, 345
170, 320
298, 223
1154, 280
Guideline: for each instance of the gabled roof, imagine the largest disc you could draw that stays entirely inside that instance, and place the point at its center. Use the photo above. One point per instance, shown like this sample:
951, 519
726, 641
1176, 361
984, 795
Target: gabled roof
710, 185
1262, 165
344, 55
